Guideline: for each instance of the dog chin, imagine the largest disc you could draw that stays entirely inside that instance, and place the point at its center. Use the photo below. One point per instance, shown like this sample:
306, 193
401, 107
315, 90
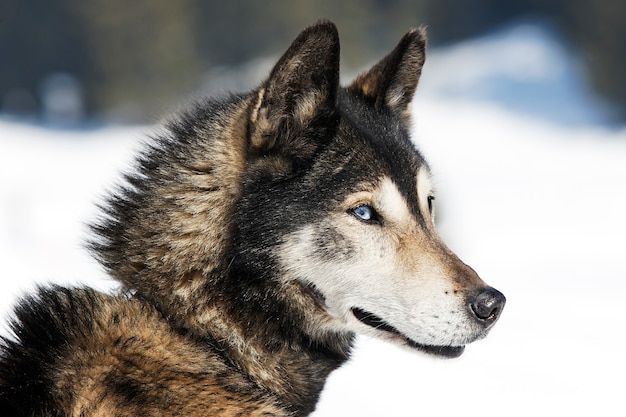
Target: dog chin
442, 351
380, 325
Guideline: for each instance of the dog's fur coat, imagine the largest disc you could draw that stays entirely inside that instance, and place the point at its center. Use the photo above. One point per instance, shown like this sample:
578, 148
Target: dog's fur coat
258, 233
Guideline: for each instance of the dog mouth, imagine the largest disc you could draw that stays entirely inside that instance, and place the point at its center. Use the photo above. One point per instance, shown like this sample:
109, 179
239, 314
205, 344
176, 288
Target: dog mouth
378, 323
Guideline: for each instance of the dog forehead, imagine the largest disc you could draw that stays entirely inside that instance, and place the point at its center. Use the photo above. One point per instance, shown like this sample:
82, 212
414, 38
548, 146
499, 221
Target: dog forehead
380, 146
381, 129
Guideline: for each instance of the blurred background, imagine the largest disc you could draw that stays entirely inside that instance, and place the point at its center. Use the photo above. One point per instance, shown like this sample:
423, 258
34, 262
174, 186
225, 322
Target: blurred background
76, 61
520, 111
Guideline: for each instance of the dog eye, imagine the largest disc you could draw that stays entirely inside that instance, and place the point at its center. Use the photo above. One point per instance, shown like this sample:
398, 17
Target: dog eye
431, 199
365, 213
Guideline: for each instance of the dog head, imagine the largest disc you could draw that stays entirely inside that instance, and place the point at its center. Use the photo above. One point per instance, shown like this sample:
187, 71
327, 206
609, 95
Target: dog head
338, 201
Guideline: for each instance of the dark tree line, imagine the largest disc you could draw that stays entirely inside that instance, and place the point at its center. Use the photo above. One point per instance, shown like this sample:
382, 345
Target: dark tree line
136, 57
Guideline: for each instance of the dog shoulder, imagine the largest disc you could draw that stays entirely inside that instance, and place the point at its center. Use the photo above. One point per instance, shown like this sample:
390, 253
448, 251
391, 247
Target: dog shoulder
87, 353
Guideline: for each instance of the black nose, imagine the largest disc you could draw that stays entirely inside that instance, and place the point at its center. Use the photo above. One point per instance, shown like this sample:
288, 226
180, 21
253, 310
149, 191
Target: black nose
487, 305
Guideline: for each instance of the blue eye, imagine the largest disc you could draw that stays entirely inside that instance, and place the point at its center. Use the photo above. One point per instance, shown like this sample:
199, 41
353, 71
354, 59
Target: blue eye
365, 213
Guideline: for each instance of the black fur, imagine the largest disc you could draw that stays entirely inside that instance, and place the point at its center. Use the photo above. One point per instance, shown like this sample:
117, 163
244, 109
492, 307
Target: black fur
45, 325
193, 233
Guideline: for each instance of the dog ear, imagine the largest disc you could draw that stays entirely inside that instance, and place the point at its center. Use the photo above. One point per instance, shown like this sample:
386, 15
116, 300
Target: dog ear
296, 108
393, 80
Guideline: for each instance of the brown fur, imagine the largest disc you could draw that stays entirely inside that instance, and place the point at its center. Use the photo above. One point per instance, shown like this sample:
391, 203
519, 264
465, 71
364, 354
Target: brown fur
218, 315
128, 361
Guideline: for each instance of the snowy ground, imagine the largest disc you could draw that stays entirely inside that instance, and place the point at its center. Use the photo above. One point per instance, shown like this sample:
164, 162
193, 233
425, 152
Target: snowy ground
534, 203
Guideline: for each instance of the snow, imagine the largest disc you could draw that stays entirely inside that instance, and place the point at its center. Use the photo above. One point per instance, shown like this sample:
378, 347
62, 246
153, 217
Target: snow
50, 183
534, 202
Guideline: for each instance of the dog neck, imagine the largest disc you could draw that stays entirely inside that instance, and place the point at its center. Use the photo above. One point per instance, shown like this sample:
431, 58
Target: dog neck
296, 374
276, 344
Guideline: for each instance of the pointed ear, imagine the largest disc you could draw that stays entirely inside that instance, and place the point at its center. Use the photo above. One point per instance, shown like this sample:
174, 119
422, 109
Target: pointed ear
393, 80
297, 106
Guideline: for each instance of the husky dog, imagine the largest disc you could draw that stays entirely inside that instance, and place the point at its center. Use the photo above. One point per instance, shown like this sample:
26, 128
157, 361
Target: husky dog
258, 234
